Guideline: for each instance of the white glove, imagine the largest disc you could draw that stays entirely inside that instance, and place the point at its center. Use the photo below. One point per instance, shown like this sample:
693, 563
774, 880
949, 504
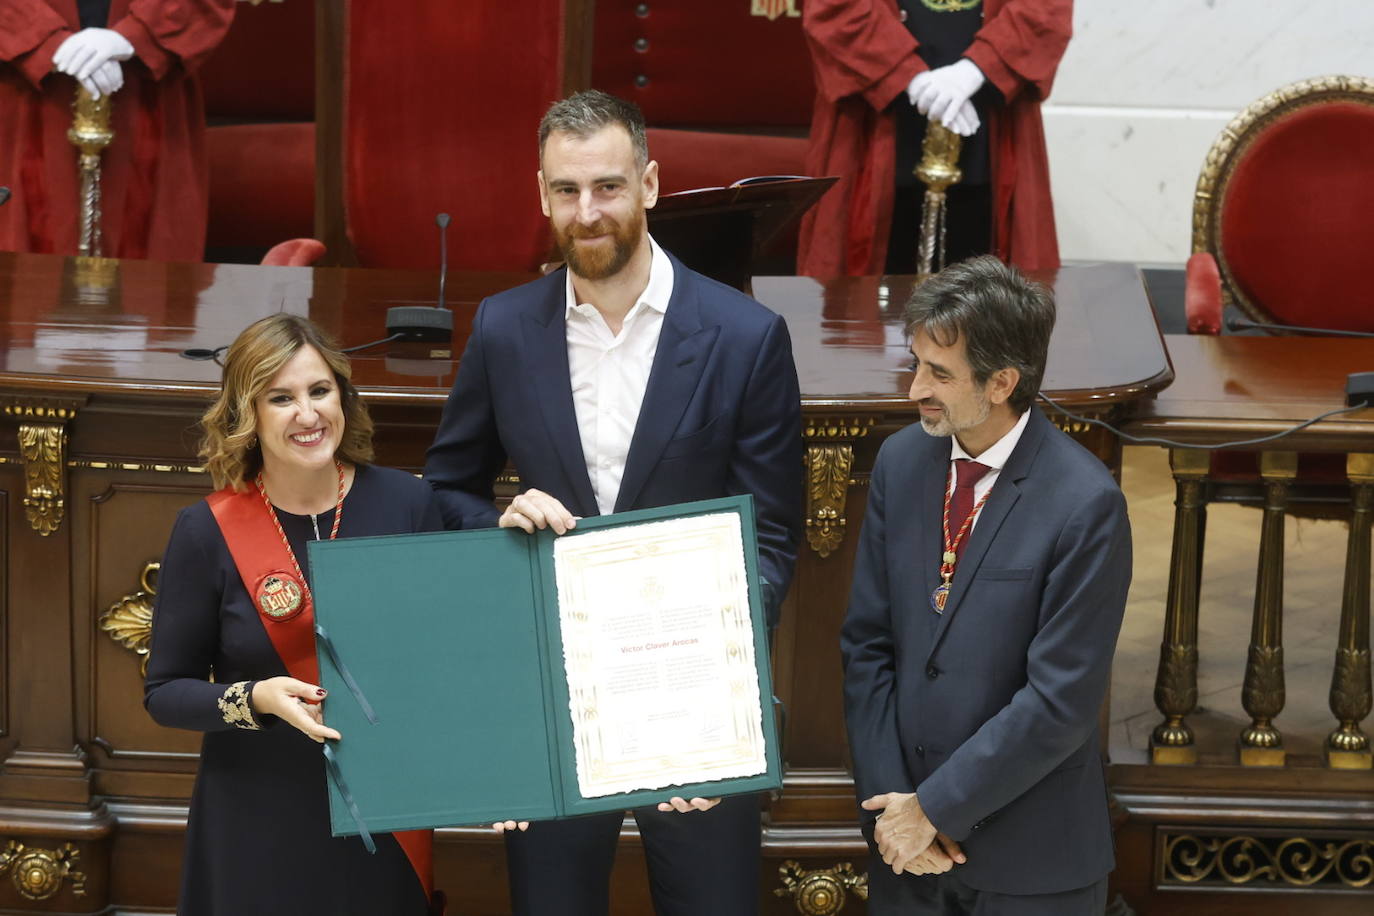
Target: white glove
965, 122
88, 50
941, 93
107, 80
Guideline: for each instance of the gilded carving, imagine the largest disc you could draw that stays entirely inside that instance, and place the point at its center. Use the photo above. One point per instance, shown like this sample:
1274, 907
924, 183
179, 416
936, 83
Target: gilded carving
1263, 695
1275, 861
129, 621
38, 873
829, 459
827, 483
774, 9
42, 445
822, 892
1175, 693
1231, 144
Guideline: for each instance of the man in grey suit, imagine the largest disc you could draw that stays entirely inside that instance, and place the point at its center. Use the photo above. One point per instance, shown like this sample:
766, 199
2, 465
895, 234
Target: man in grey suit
988, 592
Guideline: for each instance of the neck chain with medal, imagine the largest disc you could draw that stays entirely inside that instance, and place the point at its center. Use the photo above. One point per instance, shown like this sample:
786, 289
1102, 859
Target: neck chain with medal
280, 604
950, 557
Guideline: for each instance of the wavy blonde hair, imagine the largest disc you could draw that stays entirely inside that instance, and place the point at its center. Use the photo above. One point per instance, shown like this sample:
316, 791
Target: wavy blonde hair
229, 446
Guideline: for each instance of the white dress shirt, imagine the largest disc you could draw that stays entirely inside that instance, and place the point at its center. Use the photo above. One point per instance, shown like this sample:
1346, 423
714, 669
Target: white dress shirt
609, 373
994, 458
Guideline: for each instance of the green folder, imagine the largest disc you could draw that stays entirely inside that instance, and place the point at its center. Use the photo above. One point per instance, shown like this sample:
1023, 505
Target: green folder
443, 657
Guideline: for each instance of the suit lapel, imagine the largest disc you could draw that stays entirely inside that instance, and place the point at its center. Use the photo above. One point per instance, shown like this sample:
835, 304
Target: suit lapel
934, 480
683, 348
546, 342
1005, 492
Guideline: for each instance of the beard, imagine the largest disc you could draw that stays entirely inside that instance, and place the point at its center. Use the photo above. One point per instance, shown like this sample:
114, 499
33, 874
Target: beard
951, 422
607, 258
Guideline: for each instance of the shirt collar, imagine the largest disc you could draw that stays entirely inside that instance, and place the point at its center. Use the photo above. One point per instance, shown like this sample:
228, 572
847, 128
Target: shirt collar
656, 294
997, 455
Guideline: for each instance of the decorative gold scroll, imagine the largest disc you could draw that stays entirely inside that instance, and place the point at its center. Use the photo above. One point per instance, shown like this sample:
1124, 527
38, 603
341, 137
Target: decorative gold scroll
821, 892
1280, 862
129, 621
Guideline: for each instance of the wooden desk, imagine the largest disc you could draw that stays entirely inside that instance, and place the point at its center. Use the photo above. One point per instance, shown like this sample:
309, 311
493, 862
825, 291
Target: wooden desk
1178, 824
1231, 388
92, 383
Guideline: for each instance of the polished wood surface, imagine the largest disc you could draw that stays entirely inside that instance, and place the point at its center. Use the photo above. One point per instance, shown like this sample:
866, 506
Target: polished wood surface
91, 369
67, 325
1238, 387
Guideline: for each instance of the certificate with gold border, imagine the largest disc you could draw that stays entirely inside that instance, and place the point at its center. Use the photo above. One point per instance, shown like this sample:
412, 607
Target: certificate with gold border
511, 676
658, 648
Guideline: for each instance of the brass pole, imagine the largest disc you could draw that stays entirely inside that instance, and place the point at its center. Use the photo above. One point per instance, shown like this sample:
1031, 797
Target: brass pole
1347, 747
90, 133
1263, 693
938, 169
1176, 681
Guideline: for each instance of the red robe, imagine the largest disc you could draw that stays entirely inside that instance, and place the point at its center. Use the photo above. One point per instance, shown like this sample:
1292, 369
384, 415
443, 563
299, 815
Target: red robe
863, 58
154, 173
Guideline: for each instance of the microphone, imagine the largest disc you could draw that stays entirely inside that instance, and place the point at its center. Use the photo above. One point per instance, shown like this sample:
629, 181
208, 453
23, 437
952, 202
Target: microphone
1241, 324
421, 322
4, 195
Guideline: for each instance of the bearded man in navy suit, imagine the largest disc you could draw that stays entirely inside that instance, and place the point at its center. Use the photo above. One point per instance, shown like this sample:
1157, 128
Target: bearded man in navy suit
989, 588
624, 381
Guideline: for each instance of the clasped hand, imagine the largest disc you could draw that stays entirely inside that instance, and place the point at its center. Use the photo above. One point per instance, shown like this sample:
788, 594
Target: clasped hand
906, 838
295, 703
945, 94
91, 57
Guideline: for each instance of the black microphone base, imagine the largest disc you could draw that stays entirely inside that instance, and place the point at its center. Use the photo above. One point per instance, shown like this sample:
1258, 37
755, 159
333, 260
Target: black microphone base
419, 322
1359, 389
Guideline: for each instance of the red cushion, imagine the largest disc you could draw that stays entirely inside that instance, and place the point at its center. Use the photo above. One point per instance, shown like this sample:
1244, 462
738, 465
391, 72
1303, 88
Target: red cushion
704, 63
443, 101
1202, 295
691, 159
294, 253
1296, 230
265, 67
262, 184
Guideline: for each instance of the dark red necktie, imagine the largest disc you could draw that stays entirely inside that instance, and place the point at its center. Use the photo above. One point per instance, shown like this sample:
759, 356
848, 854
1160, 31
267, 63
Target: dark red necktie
966, 474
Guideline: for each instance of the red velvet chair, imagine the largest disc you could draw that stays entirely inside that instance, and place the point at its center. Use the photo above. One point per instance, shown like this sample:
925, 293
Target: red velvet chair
259, 90
1281, 218
1281, 231
440, 112
294, 253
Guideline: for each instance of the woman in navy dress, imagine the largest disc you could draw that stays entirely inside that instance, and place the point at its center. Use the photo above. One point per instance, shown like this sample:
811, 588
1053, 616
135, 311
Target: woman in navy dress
289, 438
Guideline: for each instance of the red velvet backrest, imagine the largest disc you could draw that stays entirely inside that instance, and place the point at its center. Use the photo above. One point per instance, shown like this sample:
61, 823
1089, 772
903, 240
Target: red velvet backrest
1297, 217
265, 67
442, 104
705, 63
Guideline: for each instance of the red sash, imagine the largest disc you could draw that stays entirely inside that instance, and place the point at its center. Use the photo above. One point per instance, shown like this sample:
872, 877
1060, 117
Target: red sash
261, 556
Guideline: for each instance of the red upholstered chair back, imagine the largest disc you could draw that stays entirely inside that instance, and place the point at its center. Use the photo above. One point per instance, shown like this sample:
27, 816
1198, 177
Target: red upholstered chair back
294, 253
725, 85
706, 63
1285, 204
259, 90
442, 101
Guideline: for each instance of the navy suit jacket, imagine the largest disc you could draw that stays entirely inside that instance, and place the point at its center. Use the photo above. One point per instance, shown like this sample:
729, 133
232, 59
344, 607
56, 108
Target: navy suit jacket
989, 712
721, 414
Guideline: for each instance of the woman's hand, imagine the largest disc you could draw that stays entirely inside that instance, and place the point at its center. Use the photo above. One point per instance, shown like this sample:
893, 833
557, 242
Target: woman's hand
296, 703
503, 826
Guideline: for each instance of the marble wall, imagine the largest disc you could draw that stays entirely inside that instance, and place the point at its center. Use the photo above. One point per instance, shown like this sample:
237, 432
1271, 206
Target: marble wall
1145, 88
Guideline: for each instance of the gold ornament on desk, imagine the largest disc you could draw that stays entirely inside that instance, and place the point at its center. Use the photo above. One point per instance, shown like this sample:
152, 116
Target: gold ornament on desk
938, 169
90, 133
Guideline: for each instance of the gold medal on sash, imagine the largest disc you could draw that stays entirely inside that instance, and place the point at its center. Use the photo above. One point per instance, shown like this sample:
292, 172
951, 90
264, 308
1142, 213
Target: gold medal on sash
279, 596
